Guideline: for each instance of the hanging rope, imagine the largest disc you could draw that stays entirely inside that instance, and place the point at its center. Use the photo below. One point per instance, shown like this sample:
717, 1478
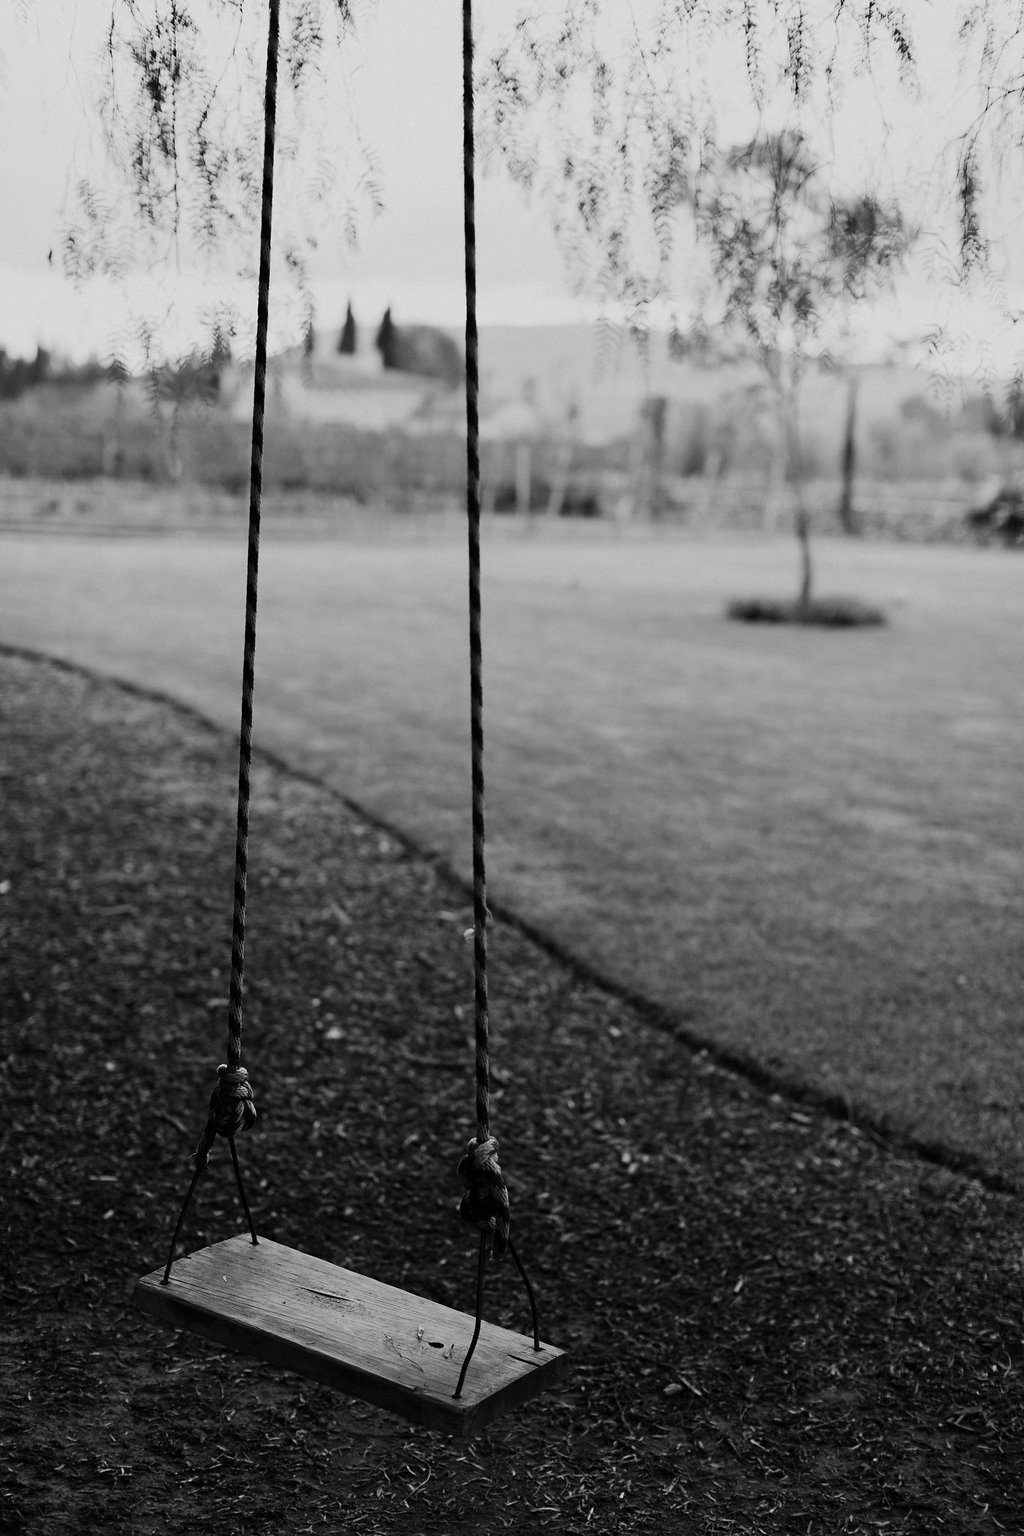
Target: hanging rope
231, 1104
485, 1204
473, 499
232, 1107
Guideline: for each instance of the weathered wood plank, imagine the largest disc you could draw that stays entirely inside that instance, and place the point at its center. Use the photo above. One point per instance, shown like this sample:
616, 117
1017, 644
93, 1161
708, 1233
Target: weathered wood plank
365, 1338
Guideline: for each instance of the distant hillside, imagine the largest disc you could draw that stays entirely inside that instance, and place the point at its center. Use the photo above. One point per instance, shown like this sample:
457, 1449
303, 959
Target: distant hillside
604, 375
348, 425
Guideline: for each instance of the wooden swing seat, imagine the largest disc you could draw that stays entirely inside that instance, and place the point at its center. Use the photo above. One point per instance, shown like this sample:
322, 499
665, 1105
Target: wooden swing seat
369, 1340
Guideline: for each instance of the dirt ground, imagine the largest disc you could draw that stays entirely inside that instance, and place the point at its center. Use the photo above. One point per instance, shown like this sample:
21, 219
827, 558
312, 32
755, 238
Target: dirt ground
777, 1323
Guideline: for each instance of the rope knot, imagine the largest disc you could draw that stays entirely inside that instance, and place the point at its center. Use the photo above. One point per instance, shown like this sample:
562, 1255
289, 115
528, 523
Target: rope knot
485, 1203
232, 1109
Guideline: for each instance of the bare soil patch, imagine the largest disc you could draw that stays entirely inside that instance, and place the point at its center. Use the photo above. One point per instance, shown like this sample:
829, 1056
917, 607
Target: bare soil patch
777, 1322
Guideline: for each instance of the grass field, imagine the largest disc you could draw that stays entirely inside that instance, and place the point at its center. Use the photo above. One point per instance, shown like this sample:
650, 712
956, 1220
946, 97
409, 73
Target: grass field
808, 848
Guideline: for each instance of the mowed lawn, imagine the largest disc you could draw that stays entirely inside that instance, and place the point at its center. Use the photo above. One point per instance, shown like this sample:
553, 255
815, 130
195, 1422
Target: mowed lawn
807, 846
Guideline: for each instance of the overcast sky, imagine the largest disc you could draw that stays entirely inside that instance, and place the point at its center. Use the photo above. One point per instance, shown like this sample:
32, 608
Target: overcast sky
406, 78
404, 81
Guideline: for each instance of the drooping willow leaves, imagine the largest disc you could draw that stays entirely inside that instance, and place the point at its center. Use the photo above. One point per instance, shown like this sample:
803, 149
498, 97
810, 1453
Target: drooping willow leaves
180, 103
615, 128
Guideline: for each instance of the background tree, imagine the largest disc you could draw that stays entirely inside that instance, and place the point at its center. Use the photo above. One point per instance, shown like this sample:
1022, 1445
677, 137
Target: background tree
607, 126
613, 128
347, 339
785, 260
386, 340
174, 390
845, 511
308, 344
609, 122
221, 356
619, 136
20, 374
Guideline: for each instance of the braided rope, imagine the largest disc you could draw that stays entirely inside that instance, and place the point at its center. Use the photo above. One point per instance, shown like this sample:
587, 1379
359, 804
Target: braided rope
480, 913
485, 1205
232, 1110
231, 1103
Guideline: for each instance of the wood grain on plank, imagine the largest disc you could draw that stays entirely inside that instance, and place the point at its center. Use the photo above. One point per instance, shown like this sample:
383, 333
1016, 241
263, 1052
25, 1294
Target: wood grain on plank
368, 1339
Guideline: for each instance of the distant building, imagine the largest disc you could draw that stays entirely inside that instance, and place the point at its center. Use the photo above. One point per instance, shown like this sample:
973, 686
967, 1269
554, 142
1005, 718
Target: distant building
340, 378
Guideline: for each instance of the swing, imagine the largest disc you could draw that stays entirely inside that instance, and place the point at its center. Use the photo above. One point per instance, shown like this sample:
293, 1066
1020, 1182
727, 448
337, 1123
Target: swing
370, 1340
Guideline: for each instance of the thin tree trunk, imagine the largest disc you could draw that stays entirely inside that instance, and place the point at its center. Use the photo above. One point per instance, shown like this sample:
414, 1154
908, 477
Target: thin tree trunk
649, 493
803, 533
802, 518
523, 459
563, 463
658, 405
713, 466
847, 516
172, 449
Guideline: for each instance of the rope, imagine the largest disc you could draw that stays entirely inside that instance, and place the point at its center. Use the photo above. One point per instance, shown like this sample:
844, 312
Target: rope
485, 1203
485, 1206
232, 1110
231, 1104
480, 912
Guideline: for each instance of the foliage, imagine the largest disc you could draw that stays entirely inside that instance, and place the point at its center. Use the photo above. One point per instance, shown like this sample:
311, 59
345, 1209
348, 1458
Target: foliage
991, 44
786, 260
182, 112
786, 256
348, 338
386, 339
426, 350
636, 148
19, 374
614, 139
611, 128
1005, 418
191, 379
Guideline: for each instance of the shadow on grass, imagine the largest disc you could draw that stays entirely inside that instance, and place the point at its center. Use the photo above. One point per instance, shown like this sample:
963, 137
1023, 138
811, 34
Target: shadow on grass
825, 612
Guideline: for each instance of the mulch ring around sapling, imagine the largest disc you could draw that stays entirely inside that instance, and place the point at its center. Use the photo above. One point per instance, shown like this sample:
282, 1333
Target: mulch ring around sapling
824, 612
776, 1322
